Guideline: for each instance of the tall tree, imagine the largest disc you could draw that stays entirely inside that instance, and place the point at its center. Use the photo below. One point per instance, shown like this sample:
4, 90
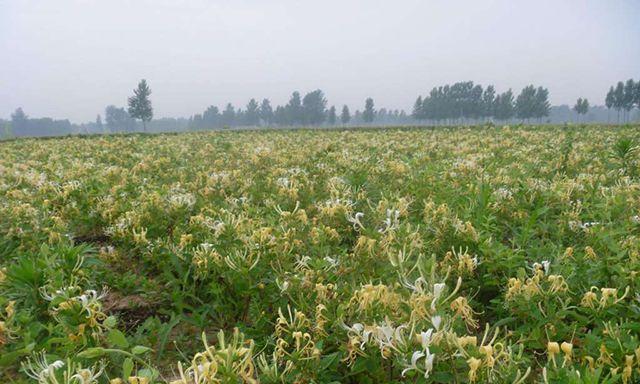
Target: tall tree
211, 117
196, 122
618, 98
331, 115
99, 123
345, 115
140, 104
118, 119
228, 115
368, 113
504, 106
252, 114
18, 121
526, 103
542, 105
266, 112
417, 112
314, 105
294, 109
629, 97
581, 107
488, 99
609, 100
280, 116
475, 107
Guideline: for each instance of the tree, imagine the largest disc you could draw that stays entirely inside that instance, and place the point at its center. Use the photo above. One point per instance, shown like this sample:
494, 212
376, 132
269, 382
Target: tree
210, 117
629, 97
252, 115
294, 109
345, 115
18, 121
196, 122
313, 106
608, 101
474, 101
228, 115
240, 117
331, 115
618, 98
581, 107
266, 112
541, 104
417, 112
280, 115
381, 115
504, 108
368, 113
99, 123
525, 103
118, 119
488, 99
140, 104
532, 102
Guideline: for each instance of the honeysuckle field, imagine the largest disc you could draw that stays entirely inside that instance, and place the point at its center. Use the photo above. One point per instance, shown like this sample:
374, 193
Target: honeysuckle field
447, 255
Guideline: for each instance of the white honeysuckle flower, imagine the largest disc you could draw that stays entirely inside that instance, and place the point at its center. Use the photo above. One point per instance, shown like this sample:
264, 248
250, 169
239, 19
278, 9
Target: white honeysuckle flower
436, 321
385, 335
302, 262
419, 286
333, 263
425, 338
438, 288
428, 363
355, 220
417, 355
87, 376
39, 369
283, 285
546, 264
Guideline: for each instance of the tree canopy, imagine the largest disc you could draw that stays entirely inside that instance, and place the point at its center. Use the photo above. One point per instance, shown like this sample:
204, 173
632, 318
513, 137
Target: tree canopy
140, 104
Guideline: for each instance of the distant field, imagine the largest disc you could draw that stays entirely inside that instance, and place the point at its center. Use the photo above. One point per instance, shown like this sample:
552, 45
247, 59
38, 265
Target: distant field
397, 255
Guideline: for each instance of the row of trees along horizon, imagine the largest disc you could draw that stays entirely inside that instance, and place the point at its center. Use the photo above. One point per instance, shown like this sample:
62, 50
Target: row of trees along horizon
460, 103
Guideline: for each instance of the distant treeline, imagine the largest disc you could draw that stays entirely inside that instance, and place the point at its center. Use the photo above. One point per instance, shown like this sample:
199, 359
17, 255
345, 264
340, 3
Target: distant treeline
468, 101
460, 103
310, 110
21, 125
623, 98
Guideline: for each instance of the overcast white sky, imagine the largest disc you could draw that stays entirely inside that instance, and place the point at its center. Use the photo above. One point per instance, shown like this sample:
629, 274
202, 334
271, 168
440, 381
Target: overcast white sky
69, 59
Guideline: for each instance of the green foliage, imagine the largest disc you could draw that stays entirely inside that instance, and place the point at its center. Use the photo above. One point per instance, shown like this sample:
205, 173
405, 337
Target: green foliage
369, 113
461, 255
345, 115
140, 104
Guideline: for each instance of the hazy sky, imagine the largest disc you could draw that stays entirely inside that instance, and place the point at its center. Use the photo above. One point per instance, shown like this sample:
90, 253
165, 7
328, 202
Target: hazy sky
69, 59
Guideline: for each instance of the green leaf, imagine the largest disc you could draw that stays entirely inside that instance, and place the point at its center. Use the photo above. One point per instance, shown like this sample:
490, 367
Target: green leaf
110, 322
140, 349
151, 374
117, 339
127, 367
328, 360
7, 359
91, 353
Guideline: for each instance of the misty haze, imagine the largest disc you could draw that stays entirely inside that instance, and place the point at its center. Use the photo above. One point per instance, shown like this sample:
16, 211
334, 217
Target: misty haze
297, 192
